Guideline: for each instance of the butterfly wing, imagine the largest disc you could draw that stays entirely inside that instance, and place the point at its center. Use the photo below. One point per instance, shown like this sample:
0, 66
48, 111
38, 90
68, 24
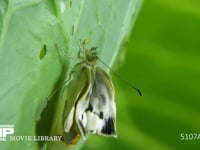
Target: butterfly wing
90, 105
101, 111
76, 95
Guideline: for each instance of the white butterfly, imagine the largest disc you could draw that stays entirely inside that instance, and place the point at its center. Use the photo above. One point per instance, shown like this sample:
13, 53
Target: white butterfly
90, 101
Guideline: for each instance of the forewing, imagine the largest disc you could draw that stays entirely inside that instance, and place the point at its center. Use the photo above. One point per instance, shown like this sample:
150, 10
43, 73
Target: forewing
101, 112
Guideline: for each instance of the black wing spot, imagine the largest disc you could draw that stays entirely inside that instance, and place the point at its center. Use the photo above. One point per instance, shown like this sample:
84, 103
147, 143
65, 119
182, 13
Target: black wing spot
109, 127
101, 115
90, 108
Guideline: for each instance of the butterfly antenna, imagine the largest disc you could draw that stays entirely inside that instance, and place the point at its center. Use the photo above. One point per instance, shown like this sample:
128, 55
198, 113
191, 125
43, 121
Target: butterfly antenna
121, 78
80, 45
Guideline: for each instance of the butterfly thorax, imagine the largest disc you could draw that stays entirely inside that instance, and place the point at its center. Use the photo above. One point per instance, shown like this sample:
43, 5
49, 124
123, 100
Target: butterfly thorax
91, 56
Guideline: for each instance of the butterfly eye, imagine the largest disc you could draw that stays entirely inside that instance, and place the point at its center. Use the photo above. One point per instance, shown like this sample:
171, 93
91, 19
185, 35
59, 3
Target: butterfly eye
93, 49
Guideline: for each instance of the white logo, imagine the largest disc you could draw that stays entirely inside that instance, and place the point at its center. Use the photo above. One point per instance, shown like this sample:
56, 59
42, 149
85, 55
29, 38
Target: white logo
5, 130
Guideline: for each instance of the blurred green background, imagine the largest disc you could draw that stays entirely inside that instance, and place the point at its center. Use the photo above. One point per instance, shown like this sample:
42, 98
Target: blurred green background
163, 60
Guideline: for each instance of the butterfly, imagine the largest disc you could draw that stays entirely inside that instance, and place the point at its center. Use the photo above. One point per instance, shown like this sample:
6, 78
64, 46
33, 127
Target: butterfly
89, 95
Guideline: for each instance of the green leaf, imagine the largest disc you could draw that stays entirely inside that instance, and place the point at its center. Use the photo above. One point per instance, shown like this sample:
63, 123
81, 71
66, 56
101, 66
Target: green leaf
33, 34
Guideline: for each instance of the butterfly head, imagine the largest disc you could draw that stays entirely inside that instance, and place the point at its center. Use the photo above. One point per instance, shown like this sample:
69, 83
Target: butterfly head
91, 55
